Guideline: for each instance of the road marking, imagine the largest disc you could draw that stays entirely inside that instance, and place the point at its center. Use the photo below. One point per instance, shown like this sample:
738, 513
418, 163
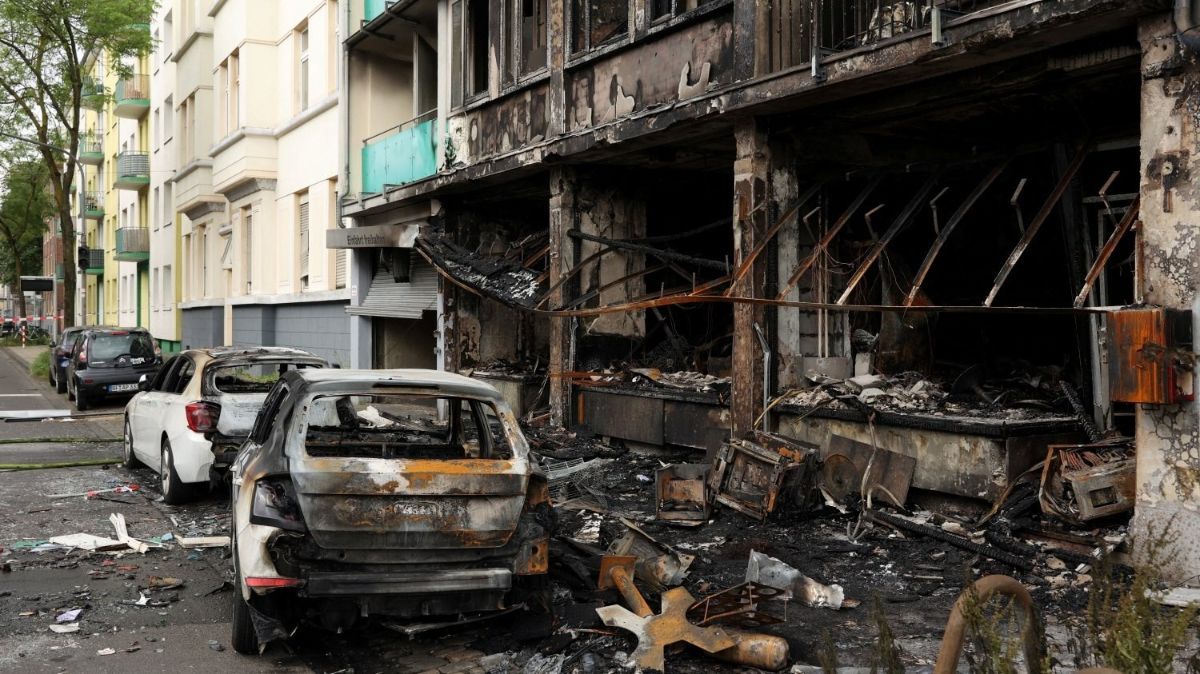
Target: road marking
20, 395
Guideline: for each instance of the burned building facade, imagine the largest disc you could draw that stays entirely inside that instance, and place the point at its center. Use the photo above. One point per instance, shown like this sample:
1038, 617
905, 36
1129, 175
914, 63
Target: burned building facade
916, 224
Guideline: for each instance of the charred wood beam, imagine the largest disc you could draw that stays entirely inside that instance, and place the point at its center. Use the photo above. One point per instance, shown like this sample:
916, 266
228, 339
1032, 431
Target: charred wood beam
898, 224
1032, 230
701, 262
628, 277
571, 273
944, 235
1106, 252
819, 249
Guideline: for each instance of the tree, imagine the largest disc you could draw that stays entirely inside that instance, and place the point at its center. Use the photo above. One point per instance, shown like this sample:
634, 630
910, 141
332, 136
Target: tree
24, 208
45, 47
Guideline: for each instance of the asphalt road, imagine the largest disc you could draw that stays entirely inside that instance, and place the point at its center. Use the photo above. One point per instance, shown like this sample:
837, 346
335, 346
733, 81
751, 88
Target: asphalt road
185, 628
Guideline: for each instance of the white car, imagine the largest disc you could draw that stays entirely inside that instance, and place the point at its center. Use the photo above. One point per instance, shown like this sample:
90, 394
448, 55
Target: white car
190, 419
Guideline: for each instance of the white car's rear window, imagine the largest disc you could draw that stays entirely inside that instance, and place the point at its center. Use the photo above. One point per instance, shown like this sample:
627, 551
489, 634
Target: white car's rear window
256, 377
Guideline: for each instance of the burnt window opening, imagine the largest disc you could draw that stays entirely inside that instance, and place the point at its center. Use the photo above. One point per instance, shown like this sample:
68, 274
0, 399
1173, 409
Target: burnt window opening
665, 9
532, 51
475, 48
595, 23
398, 261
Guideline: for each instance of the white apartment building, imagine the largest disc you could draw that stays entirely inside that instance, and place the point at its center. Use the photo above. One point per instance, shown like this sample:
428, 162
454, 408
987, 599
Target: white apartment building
256, 156
164, 232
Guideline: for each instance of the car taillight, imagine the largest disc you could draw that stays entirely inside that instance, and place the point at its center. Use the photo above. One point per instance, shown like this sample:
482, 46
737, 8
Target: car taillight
275, 504
202, 417
269, 583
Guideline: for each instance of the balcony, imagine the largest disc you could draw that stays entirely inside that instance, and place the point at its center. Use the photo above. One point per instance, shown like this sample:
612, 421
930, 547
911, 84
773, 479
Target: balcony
407, 155
133, 244
132, 96
373, 8
860, 24
93, 205
133, 171
92, 94
91, 149
93, 264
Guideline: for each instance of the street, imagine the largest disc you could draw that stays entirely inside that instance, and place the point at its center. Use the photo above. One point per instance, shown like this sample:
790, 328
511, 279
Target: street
182, 627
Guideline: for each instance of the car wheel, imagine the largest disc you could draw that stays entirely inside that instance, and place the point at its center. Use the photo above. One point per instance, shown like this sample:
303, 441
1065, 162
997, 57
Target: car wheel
60, 382
244, 638
50, 370
81, 401
174, 492
130, 460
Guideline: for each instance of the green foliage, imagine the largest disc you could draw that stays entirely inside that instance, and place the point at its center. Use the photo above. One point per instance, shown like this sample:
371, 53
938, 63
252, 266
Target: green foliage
24, 207
1126, 629
827, 654
40, 367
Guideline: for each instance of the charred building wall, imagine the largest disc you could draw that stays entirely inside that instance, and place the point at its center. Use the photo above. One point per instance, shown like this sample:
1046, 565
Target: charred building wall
859, 187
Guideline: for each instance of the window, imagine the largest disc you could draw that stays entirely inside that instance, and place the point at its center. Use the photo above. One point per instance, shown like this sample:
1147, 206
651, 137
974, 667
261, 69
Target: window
158, 204
157, 128
302, 219
597, 22
247, 246
229, 94
334, 44
302, 68
168, 119
531, 46
168, 211
202, 250
168, 38
168, 288
663, 9
476, 43
187, 125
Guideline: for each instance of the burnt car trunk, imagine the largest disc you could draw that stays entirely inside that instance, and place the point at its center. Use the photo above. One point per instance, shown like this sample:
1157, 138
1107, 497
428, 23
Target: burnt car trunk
397, 504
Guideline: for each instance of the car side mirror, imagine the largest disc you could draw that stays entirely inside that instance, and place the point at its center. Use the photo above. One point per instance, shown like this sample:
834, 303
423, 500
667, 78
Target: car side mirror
144, 382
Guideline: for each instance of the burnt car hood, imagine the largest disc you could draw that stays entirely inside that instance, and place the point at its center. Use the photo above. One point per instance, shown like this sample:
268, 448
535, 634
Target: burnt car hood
370, 503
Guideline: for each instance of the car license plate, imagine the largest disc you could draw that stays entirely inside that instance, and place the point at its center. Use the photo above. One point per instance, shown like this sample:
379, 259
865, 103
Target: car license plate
118, 388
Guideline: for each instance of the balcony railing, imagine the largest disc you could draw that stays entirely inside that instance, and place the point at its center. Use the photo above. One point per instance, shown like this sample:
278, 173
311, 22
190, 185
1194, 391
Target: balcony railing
373, 8
133, 171
94, 262
132, 96
408, 154
91, 149
92, 94
133, 244
93, 205
843, 25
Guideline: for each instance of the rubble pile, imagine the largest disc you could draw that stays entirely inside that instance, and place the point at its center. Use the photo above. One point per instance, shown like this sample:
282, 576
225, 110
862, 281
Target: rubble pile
1022, 395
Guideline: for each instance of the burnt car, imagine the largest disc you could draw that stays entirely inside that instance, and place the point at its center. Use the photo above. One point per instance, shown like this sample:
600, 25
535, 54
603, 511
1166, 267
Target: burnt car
189, 420
398, 493
109, 362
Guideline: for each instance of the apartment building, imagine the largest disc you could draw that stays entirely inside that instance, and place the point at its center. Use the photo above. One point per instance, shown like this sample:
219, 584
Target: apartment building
772, 192
165, 318
256, 174
114, 204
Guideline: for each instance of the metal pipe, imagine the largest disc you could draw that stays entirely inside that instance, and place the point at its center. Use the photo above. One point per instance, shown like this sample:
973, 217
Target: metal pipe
762, 341
984, 589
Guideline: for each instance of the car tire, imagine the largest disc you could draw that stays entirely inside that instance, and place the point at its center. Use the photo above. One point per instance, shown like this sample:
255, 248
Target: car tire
174, 492
70, 393
243, 638
60, 383
82, 403
50, 371
131, 460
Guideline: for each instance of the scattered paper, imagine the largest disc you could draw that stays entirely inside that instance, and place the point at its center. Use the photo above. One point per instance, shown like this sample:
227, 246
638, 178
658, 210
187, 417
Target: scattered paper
65, 629
69, 616
105, 651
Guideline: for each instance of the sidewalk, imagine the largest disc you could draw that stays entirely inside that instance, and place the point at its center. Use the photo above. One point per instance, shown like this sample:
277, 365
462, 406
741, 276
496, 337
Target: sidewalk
100, 427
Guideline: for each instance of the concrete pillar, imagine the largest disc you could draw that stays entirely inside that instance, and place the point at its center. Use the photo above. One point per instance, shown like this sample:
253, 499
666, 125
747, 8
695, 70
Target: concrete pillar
750, 223
1168, 437
561, 259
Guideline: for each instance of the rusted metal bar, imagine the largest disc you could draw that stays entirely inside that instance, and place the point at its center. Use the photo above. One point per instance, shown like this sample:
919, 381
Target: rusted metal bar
898, 224
944, 235
1033, 640
541, 253
821, 245
628, 277
762, 244
571, 274
1034, 226
649, 250
1106, 252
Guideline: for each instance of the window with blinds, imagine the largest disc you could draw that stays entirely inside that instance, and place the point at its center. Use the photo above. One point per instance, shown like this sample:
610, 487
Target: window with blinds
302, 218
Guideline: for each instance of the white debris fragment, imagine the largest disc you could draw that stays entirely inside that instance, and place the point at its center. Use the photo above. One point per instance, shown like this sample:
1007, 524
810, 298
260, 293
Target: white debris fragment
774, 573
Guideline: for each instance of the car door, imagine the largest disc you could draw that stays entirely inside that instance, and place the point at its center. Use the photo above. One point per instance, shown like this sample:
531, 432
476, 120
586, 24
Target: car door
145, 419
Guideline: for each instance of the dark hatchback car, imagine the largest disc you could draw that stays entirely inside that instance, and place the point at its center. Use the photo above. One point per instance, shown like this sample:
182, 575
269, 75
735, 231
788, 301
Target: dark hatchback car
109, 362
60, 354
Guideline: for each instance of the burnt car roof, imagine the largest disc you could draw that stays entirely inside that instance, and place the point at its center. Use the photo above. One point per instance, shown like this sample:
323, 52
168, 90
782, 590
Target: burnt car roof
246, 351
337, 380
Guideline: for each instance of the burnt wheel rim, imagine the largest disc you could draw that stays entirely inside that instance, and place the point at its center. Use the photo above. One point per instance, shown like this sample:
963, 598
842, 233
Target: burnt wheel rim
128, 443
